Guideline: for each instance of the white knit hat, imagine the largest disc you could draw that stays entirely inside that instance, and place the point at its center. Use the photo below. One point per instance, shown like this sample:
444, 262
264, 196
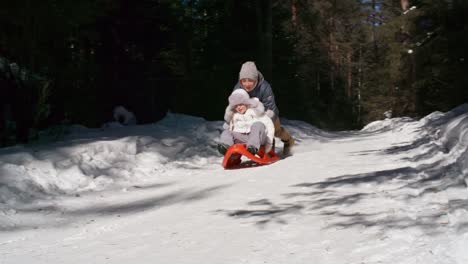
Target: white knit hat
240, 96
248, 71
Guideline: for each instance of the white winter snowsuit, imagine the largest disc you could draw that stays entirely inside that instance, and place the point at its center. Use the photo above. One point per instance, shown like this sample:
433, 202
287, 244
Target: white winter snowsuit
253, 127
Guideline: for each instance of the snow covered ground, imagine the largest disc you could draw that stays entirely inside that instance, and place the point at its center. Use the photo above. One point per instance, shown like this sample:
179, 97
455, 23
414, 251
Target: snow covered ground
394, 192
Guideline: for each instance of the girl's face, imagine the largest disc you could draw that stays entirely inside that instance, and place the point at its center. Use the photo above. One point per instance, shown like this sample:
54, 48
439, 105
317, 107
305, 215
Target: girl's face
241, 108
248, 84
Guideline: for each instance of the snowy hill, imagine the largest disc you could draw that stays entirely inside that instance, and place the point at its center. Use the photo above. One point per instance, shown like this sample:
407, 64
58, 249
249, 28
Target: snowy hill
394, 192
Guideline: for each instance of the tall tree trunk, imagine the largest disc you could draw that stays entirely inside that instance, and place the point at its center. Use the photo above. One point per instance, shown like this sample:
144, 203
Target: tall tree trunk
331, 54
318, 83
265, 35
359, 86
373, 26
409, 100
189, 46
294, 12
349, 74
268, 40
29, 35
260, 38
404, 5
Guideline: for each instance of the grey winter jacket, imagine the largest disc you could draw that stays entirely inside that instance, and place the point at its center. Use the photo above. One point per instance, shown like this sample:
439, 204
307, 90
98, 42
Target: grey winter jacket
265, 94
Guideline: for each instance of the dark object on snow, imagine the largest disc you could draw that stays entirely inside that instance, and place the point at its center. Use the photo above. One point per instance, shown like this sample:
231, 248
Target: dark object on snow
222, 148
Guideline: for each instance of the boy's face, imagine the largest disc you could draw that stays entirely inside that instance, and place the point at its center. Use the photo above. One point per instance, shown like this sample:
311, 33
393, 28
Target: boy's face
241, 108
248, 84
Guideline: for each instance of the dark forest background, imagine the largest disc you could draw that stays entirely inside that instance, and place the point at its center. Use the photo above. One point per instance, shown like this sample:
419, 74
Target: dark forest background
337, 64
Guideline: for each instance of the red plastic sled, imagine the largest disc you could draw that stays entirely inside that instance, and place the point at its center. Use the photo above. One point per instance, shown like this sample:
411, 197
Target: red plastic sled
233, 155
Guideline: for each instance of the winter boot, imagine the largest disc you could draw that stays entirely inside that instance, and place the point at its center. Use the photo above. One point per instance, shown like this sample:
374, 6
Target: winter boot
222, 148
287, 146
252, 150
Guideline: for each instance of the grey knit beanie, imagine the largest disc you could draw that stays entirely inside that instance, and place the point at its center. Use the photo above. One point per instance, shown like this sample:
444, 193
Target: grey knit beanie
249, 71
240, 96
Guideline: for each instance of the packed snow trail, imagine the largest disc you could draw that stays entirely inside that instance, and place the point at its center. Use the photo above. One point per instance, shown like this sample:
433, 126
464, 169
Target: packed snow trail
394, 192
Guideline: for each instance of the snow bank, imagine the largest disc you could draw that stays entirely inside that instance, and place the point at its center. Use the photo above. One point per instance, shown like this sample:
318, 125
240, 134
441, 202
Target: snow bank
387, 124
453, 138
441, 144
95, 159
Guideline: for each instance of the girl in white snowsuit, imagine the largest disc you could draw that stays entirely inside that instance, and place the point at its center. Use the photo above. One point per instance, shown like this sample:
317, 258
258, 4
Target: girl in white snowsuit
248, 124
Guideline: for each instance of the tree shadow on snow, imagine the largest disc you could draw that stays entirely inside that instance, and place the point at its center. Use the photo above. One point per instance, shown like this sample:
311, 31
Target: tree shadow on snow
45, 215
430, 149
354, 201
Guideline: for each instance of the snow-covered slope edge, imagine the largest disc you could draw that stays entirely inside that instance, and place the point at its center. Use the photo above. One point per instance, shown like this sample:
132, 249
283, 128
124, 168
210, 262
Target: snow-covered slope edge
441, 145
95, 159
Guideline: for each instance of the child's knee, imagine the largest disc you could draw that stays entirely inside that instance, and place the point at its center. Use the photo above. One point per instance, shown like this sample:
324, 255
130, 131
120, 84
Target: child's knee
258, 126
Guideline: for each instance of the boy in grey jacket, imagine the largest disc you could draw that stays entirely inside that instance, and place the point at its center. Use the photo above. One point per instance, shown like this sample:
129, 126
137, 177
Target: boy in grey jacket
253, 82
